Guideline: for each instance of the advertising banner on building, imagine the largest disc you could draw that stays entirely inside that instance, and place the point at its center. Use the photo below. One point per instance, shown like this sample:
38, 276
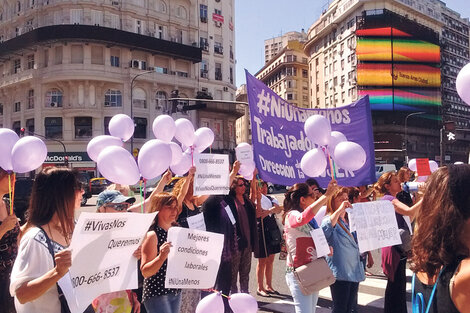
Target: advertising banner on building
279, 141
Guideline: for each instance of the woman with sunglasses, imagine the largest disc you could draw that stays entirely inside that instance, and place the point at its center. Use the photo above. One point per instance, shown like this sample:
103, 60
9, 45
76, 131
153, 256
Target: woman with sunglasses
42, 259
155, 250
345, 262
300, 206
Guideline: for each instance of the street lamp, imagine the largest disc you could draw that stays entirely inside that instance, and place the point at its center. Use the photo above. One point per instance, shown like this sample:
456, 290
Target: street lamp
406, 133
132, 102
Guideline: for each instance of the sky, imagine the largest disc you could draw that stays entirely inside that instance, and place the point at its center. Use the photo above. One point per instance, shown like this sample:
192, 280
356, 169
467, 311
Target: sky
258, 20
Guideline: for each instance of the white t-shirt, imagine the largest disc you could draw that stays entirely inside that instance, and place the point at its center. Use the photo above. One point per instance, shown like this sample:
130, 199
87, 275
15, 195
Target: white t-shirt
33, 261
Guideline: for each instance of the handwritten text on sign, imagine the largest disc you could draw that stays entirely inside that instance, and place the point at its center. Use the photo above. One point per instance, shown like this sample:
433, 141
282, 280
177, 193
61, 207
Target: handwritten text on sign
212, 174
375, 225
194, 258
102, 261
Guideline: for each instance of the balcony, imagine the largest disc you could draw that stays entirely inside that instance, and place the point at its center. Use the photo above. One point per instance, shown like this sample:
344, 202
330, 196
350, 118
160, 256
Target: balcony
100, 34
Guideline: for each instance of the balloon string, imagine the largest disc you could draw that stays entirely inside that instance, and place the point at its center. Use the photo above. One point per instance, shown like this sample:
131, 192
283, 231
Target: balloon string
142, 200
219, 292
210, 149
192, 155
10, 194
145, 192
332, 166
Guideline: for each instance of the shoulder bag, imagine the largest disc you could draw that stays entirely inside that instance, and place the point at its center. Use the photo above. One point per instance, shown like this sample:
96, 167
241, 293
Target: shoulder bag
64, 307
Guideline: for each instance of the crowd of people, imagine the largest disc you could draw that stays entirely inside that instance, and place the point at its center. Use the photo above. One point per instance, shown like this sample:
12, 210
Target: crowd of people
434, 226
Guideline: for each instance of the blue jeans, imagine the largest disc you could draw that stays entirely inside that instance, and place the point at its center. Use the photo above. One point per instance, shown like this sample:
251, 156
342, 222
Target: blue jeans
303, 303
169, 303
344, 294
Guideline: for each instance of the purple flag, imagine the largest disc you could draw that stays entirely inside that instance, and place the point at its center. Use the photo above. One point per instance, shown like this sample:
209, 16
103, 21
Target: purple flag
279, 141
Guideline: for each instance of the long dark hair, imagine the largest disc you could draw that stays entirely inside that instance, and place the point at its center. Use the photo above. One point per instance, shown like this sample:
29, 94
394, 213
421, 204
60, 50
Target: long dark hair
292, 198
54, 191
441, 220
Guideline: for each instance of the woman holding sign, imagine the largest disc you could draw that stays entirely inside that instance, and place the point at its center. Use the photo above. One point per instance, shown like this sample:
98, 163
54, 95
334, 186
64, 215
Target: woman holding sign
155, 250
42, 259
346, 260
300, 207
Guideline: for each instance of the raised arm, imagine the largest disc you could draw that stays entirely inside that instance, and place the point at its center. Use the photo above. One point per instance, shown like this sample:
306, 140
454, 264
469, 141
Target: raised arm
159, 188
403, 209
184, 188
234, 172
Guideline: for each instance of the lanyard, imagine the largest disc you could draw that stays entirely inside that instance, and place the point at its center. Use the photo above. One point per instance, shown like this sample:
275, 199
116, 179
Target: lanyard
417, 301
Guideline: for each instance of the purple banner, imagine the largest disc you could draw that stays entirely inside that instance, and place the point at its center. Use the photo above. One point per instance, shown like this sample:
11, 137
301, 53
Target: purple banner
279, 141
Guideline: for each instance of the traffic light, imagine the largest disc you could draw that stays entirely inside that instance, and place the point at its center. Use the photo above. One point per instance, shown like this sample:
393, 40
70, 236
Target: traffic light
449, 132
22, 130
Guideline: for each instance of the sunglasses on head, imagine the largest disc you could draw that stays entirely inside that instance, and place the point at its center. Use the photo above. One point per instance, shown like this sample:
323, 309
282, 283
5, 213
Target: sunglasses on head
118, 206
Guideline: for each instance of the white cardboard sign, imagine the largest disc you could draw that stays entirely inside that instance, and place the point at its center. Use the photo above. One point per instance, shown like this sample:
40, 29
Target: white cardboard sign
375, 225
244, 153
212, 174
102, 261
194, 258
196, 222
321, 245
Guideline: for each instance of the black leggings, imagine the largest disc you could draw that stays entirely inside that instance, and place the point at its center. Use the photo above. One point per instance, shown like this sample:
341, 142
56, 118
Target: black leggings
395, 293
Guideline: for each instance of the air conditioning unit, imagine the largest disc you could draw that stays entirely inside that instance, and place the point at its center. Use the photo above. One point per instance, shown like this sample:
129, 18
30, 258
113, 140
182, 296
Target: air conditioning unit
53, 104
115, 2
142, 65
218, 24
225, 88
135, 63
204, 75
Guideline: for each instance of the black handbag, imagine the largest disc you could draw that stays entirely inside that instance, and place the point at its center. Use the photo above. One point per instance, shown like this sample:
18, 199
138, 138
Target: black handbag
64, 307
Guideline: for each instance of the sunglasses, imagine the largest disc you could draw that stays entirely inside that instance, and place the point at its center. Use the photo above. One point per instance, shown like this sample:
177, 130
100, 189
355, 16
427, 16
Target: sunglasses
118, 206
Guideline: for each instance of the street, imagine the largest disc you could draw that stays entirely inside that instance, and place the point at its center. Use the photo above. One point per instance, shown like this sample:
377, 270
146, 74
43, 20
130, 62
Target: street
371, 291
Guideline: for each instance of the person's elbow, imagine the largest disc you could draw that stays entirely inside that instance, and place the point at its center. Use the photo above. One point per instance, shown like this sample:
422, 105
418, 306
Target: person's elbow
23, 295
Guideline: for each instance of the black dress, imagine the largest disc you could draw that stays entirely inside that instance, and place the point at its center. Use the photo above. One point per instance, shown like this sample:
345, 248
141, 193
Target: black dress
185, 213
269, 236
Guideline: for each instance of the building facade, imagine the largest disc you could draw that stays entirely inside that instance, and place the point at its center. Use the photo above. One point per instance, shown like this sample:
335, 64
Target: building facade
287, 74
390, 51
274, 45
67, 67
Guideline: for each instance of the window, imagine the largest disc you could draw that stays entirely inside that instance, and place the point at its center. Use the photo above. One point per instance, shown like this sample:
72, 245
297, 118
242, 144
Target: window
96, 17
114, 61
58, 55
204, 69
204, 43
17, 107
46, 58
161, 102
76, 16
203, 13
139, 98
231, 75
16, 66
77, 54
31, 99
83, 127
30, 125
138, 27
218, 71
53, 127
106, 124
231, 52
218, 48
181, 12
97, 55
30, 60
140, 127
1, 109
54, 98
16, 126
304, 73
162, 7
113, 98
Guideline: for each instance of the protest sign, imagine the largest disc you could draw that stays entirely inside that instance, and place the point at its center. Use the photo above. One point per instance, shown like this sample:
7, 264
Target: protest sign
102, 261
422, 167
244, 153
321, 245
279, 141
375, 225
212, 174
194, 258
196, 221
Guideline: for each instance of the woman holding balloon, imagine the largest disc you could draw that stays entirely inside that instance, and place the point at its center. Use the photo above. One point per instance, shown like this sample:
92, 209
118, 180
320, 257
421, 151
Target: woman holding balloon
9, 230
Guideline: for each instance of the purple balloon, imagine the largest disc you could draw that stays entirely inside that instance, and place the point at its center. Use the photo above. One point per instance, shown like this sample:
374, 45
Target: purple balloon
204, 138
243, 303
118, 165
121, 126
213, 303
433, 166
154, 158
176, 153
462, 83
164, 128
28, 154
412, 165
313, 163
185, 132
336, 138
182, 167
318, 129
97, 144
350, 156
8, 138
246, 169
